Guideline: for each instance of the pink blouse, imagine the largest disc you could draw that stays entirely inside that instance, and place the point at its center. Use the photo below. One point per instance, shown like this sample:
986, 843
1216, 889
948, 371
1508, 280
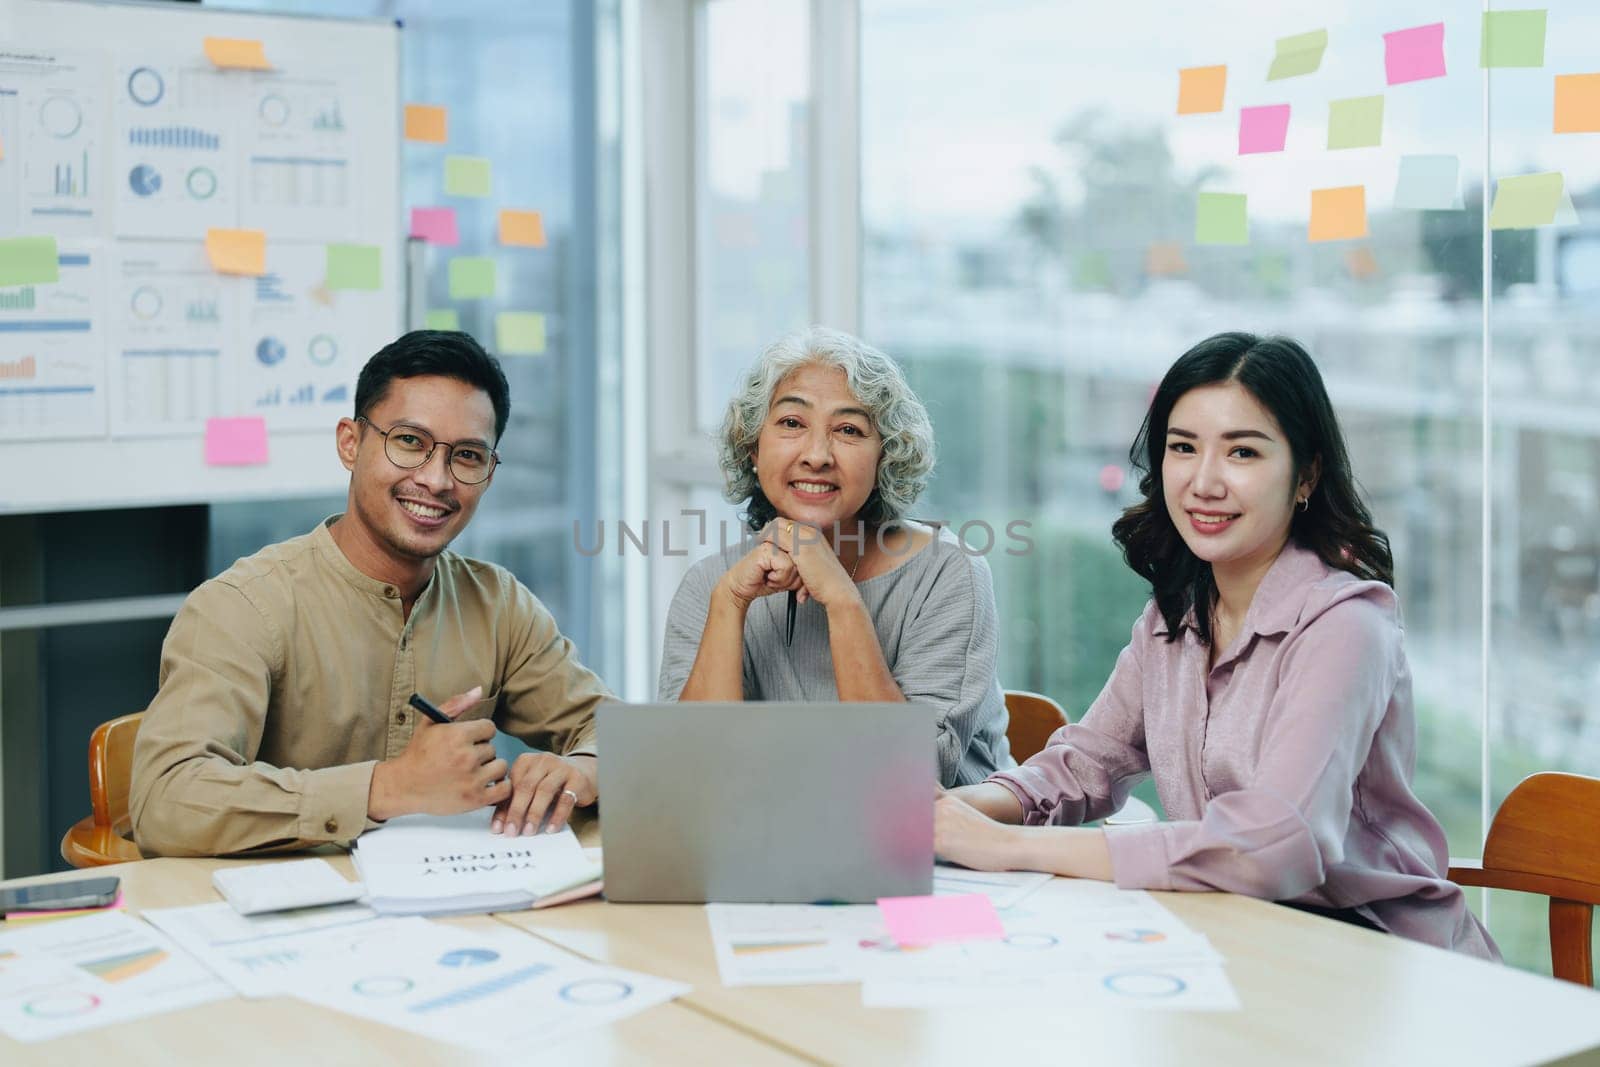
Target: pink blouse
1285, 769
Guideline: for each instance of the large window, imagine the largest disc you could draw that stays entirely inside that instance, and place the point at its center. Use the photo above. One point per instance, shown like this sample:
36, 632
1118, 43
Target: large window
753, 204
525, 88
1030, 254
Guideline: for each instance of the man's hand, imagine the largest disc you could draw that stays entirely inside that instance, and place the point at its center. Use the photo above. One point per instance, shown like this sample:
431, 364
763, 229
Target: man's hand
445, 769
545, 785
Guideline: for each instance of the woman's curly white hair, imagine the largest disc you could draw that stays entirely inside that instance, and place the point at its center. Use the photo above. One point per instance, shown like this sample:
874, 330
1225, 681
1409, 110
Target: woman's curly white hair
876, 382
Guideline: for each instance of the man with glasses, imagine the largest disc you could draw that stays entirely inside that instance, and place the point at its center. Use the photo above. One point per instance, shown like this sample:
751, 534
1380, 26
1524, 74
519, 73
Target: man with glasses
282, 719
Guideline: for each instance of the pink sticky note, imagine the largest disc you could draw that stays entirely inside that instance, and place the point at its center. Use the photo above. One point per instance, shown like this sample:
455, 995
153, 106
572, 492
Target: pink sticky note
1414, 54
1263, 129
236, 442
436, 225
929, 920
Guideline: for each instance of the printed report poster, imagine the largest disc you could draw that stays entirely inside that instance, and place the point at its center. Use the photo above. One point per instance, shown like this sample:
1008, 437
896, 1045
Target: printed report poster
53, 130
175, 321
52, 352
302, 344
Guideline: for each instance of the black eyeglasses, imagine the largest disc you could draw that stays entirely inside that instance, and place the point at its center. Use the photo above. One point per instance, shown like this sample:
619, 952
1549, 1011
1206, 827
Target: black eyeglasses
410, 447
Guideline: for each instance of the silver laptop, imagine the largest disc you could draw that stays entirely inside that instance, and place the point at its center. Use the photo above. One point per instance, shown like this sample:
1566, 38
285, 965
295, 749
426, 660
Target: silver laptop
766, 803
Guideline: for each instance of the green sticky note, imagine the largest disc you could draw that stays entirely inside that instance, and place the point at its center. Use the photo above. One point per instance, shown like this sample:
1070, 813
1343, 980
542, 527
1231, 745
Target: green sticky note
1512, 39
29, 261
1220, 219
354, 267
442, 319
471, 277
467, 176
1356, 122
519, 333
1297, 55
1526, 201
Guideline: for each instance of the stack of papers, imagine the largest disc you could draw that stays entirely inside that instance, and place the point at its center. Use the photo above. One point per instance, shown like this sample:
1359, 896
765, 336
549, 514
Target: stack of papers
264, 887
1066, 942
453, 865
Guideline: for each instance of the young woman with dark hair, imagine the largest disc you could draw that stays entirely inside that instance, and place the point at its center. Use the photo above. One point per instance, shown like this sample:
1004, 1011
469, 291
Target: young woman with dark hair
1265, 686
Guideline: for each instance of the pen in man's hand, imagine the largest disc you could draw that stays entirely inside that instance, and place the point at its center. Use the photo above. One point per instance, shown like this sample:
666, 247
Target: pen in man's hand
428, 709
788, 638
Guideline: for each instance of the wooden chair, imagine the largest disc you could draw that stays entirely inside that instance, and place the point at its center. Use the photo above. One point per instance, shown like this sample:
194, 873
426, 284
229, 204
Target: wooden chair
100, 838
1033, 718
1546, 839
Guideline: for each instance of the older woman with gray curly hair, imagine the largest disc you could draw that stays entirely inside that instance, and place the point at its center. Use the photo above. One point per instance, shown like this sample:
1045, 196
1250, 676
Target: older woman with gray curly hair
829, 449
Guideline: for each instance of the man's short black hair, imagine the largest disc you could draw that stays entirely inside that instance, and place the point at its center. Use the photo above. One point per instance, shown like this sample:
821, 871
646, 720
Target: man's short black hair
447, 353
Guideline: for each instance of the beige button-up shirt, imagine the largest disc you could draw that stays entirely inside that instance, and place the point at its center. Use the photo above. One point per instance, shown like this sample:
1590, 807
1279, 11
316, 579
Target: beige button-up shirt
284, 681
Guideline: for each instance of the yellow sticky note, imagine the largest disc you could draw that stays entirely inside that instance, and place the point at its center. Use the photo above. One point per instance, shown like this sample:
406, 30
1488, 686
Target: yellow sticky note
1200, 89
236, 53
1577, 103
237, 251
425, 122
441, 319
521, 228
519, 333
1338, 214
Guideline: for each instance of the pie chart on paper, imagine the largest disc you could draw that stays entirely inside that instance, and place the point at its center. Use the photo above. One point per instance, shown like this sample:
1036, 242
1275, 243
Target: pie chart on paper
144, 180
270, 351
468, 957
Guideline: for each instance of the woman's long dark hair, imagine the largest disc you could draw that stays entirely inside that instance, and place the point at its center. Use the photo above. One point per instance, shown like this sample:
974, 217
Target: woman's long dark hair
1335, 525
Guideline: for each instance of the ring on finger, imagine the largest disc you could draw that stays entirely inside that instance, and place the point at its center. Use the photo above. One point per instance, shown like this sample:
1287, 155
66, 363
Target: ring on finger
570, 793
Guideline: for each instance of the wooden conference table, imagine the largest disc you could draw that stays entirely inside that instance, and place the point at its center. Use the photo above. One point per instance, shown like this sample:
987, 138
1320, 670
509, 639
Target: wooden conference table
1312, 990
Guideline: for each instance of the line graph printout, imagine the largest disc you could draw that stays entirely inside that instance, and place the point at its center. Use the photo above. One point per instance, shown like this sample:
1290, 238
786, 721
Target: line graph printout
52, 353
175, 320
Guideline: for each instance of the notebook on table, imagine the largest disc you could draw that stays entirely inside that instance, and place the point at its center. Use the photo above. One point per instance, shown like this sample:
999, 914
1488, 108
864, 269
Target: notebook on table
453, 865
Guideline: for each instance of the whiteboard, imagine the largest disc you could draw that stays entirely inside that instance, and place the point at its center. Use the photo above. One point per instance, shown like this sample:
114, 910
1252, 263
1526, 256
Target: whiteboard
119, 138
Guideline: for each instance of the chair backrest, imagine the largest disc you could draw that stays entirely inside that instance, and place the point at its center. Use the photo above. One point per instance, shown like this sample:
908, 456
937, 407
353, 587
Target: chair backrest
1033, 718
1546, 839
111, 768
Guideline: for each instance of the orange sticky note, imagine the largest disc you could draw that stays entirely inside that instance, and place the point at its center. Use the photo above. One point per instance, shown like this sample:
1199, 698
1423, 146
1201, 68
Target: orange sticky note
425, 122
1338, 214
1577, 103
236, 53
1200, 89
237, 251
521, 228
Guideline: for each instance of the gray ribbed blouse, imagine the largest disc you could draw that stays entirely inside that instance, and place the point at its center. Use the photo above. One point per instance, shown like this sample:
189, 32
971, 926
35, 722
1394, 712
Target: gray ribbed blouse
935, 618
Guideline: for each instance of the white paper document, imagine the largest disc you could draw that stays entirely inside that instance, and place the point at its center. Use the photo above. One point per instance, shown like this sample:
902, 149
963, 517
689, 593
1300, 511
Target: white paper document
1004, 888
1065, 933
266, 955
488, 990
428, 864
268, 887
1199, 987
72, 975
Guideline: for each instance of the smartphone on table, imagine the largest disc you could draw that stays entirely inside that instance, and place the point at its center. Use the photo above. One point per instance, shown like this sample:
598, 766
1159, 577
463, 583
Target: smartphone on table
60, 896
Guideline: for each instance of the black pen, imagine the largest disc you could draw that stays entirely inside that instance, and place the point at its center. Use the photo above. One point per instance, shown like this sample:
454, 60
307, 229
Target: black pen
794, 602
428, 709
